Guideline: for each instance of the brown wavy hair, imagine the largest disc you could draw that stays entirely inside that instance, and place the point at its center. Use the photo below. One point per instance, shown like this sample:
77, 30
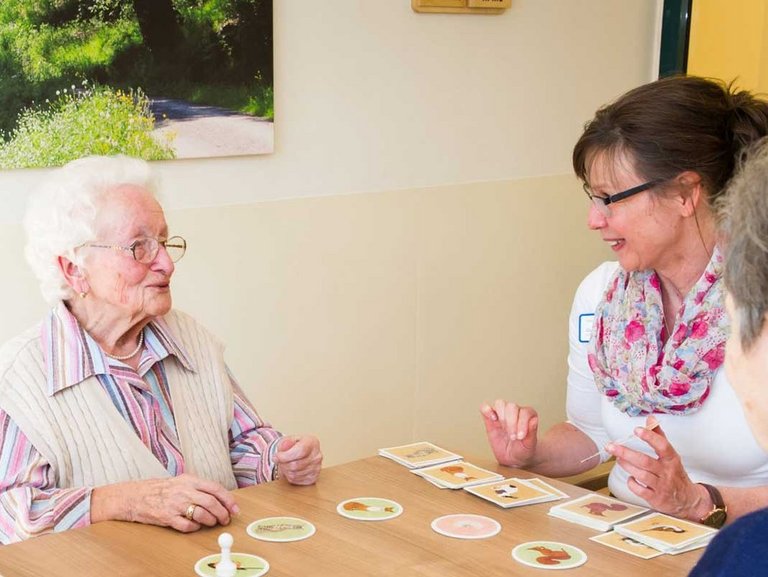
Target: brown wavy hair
676, 124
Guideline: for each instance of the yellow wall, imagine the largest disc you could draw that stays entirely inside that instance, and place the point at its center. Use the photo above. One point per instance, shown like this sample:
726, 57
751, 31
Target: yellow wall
412, 246
729, 40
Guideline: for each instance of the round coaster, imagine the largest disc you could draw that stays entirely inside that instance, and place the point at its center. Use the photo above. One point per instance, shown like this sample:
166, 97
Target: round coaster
466, 526
281, 529
369, 509
549, 555
247, 565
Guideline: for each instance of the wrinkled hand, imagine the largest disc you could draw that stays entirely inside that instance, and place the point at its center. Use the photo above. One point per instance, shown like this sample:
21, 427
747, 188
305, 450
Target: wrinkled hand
164, 502
512, 432
661, 480
299, 459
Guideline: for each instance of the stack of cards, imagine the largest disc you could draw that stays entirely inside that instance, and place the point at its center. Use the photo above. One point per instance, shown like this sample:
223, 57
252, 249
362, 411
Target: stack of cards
516, 492
422, 454
456, 475
667, 534
596, 511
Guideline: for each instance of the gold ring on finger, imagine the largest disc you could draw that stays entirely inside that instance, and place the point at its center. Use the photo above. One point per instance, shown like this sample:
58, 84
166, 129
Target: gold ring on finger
190, 513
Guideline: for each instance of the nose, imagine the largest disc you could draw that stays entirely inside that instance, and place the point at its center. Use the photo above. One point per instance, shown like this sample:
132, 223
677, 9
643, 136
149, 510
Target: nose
595, 219
163, 262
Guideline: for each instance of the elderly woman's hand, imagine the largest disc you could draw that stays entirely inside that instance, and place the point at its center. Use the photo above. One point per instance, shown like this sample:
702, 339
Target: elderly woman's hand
299, 459
661, 480
512, 432
185, 503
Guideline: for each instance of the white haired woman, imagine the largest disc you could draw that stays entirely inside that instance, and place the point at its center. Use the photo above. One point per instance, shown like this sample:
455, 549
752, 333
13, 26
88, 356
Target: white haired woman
115, 406
742, 548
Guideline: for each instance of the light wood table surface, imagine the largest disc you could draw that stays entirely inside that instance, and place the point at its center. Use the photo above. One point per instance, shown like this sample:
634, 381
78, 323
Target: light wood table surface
341, 547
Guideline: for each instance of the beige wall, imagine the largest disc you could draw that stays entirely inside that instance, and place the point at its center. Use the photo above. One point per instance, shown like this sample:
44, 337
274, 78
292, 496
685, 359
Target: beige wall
412, 246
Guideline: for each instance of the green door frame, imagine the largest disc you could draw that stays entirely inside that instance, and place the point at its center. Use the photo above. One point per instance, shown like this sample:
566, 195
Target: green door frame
675, 32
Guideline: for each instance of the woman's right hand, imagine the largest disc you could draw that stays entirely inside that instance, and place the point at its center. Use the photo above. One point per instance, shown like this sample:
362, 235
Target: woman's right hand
165, 502
512, 432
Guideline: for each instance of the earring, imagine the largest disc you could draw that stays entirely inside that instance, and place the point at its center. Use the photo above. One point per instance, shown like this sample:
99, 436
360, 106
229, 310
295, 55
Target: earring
82, 295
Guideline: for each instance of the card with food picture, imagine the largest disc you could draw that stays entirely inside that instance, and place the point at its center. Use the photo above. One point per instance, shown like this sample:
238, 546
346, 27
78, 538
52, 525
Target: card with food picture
281, 529
369, 509
626, 544
513, 492
549, 555
421, 454
546, 486
466, 526
596, 511
666, 533
457, 474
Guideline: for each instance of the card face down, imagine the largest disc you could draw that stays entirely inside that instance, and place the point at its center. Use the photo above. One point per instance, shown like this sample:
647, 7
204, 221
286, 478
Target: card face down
596, 511
421, 454
456, 475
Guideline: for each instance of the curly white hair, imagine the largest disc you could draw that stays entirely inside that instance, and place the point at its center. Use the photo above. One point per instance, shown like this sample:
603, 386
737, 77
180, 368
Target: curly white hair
62, 212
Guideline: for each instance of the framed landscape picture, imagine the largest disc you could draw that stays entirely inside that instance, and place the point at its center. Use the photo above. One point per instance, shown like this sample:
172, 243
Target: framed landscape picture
156, 79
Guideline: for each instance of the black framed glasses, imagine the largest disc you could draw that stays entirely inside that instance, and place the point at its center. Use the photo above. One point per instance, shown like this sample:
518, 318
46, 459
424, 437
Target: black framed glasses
601, 202
145, 249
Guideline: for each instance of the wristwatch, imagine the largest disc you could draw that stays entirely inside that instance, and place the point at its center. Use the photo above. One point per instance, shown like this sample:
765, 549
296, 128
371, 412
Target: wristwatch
719, 513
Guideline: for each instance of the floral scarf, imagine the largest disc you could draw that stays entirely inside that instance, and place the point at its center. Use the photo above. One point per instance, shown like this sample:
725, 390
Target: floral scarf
632, 367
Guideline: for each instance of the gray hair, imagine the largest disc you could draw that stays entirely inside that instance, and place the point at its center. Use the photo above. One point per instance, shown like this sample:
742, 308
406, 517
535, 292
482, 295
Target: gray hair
743, 213
62, 211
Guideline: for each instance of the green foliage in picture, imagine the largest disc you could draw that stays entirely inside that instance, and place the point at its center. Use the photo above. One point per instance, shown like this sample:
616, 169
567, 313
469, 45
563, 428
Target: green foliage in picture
80, 122
210, 52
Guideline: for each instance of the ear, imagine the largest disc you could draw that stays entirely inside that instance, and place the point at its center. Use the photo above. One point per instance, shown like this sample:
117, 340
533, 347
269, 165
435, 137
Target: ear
691, 192
73, 274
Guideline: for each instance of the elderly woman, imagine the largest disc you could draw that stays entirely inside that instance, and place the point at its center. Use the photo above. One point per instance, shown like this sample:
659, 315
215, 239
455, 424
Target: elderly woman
653, 163
742, 548
116, 406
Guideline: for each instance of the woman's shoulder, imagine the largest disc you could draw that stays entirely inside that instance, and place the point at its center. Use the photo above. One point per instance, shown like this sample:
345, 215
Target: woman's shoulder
184, 326
600, 276
24, 347
593, 285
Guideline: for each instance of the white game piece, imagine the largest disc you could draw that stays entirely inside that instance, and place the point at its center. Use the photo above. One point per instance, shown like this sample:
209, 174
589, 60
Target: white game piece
225, 567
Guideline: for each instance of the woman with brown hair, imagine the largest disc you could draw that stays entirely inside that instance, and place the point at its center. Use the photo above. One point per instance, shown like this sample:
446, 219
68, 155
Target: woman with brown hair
647, 334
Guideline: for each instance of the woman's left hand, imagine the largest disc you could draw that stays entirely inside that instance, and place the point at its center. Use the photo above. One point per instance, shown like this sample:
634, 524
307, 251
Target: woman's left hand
661, 481
299, 459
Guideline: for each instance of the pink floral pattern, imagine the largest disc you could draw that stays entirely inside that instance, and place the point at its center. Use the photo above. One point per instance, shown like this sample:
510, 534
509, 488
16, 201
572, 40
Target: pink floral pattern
633, 365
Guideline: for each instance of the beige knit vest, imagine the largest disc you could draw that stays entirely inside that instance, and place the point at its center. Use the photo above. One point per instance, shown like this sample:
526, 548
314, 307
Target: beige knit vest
86, 440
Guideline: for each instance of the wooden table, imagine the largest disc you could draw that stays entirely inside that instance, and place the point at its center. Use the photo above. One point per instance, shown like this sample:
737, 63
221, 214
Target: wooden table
341, 547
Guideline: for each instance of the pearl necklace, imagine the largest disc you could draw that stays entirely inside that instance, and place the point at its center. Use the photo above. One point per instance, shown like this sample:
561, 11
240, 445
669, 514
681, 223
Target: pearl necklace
129, 355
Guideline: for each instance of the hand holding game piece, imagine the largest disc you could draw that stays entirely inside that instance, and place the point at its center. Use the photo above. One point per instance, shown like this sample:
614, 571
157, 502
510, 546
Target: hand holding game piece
651, 424
299, 459
512, 432
225, 567
661, 481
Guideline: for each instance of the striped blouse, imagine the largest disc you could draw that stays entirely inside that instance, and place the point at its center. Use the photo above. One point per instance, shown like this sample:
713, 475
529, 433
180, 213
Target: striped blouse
30, 502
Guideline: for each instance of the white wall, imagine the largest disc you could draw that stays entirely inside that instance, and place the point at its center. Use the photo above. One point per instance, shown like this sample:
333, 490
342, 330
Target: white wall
372, 96
472, 118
